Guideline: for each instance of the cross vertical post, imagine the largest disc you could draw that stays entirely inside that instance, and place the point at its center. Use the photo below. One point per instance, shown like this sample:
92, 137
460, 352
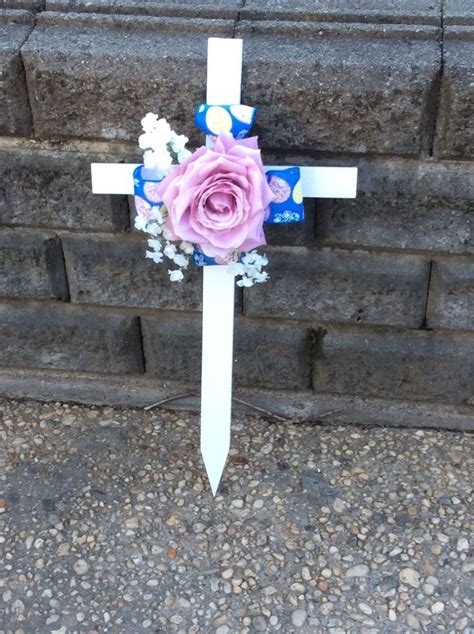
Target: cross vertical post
224, 72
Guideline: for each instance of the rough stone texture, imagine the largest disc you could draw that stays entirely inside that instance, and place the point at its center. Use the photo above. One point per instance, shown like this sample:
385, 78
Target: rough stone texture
458, 11
455, 133
15, 116
130, 65
384, 11
332, 285
417, 365
266, 354
49, 188
35, 5
451, 298
61, 336
116, 505
405, 205
181, 8
114, 271
328, 87
31, 265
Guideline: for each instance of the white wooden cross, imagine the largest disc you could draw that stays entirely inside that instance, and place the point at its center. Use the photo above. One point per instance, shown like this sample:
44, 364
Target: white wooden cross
224, 73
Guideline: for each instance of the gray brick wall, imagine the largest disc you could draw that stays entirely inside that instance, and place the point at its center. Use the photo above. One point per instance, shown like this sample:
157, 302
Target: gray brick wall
369, 300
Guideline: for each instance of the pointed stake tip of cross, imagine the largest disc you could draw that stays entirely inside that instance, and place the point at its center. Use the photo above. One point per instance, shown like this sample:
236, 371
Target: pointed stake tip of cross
214, 469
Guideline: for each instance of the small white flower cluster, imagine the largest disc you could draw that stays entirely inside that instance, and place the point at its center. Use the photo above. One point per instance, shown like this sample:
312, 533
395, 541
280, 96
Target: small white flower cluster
162, 145
250, 269
160, 245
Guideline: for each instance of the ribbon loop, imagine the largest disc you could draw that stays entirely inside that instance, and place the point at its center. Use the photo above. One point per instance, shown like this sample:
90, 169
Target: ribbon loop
238, 119
287, 206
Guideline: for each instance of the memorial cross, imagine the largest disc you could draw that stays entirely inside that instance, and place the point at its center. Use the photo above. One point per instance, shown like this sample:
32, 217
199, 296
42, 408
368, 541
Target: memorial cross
224, 73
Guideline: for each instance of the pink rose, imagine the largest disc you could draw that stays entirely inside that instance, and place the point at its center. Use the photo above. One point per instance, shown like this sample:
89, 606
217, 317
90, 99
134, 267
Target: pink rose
218, 198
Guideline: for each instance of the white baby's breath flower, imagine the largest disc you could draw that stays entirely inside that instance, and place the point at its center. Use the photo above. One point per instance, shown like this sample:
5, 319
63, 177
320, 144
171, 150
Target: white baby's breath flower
149, 121
236, 268
175, 276
157, 214
178, 142
153, 228
245, 281
149, 159
170, 251
155, 256
163, 131
155, 245
163, 160
145, 140
140, 223
261, 277
181, 260
187, 247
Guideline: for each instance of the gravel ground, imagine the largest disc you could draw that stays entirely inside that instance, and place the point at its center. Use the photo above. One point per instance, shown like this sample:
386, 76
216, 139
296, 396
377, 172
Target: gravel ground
107, 525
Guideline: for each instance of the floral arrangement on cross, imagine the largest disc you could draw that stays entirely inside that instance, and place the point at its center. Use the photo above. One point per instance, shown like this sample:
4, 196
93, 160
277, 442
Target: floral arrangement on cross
209, 207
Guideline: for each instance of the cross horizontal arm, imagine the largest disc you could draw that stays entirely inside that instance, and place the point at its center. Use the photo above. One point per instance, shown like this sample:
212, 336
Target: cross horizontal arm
317, 182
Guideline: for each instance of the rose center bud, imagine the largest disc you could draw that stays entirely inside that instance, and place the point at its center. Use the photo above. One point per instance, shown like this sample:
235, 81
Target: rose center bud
220, 203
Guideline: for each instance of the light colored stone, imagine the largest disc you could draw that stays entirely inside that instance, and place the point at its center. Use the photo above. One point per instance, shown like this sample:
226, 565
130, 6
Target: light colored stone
437, 607
80, 566
410, 577
462, 545
298, 617
360, 570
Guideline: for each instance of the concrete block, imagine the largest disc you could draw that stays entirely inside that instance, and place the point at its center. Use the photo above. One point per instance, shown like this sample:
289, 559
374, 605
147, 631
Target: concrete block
458, 12
417, 365
52, 188
31, 265
170, 8
32, 5
455, 132
341, 87
109, 270
451, 296
15, 116
342, 286
130, 65
266, 353
377, 11
61, 336
403, 204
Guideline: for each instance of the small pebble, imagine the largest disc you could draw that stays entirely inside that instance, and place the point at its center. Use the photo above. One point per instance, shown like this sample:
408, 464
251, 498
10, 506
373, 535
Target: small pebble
298, 617
462, 545
80, 567
259, 623
410, 577
360, 570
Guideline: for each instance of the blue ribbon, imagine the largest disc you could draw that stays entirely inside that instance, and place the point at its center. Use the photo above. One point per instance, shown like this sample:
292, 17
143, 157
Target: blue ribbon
287, 207
144, 185
238, 119
201, 259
